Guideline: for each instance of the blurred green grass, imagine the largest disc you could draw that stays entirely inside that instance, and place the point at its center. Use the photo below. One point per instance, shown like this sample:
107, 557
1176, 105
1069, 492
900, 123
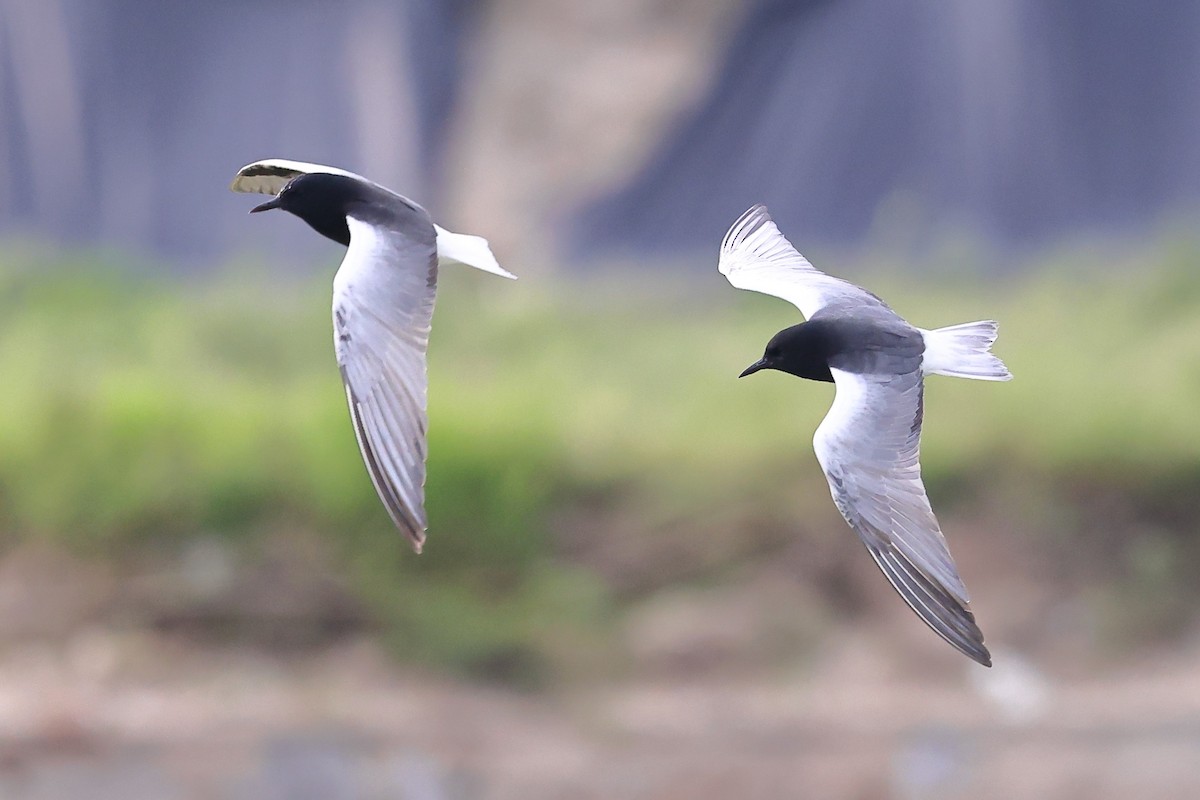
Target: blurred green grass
566, 415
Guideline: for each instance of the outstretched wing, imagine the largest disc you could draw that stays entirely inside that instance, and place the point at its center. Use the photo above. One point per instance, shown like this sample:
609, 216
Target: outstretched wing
382, 308
869, 446
270, 175
756, 256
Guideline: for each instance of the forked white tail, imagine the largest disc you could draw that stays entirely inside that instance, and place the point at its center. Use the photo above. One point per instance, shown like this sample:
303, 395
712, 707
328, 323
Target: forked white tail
964, 351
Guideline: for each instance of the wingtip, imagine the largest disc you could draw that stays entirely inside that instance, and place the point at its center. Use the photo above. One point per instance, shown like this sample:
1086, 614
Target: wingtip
251, 170
974, 649
749, 221
270, 175
970, 645
238, 183
945, 614
756, 210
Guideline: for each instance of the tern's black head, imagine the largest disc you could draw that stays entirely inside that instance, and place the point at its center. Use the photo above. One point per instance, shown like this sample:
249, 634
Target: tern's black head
802, 350
323, 201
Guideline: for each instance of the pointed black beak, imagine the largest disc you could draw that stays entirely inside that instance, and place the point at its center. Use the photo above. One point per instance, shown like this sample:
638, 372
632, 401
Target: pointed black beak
267, 206
755, 367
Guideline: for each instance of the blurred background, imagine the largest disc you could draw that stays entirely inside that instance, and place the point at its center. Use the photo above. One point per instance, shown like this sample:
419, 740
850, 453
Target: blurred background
635, 584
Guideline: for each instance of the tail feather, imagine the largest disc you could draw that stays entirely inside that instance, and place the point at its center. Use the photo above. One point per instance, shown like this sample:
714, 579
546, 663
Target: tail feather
964, 351
472, 251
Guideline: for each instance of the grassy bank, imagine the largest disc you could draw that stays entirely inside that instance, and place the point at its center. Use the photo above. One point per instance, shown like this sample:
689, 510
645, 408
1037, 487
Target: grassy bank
568, 422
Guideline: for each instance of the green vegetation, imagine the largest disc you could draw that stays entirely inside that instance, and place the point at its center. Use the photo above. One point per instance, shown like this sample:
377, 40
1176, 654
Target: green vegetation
573, 430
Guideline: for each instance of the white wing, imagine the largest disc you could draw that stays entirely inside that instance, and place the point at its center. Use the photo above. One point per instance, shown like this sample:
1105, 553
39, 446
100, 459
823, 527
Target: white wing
756, 256
383, 298
270, 175
869, 448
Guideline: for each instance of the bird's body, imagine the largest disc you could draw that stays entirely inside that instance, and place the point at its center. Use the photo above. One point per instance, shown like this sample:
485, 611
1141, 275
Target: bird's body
876, 341
383, 297
869, 443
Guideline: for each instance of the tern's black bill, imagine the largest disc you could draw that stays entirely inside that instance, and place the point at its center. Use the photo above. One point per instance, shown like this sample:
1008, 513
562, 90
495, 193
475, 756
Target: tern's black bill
755, 367
267, 206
